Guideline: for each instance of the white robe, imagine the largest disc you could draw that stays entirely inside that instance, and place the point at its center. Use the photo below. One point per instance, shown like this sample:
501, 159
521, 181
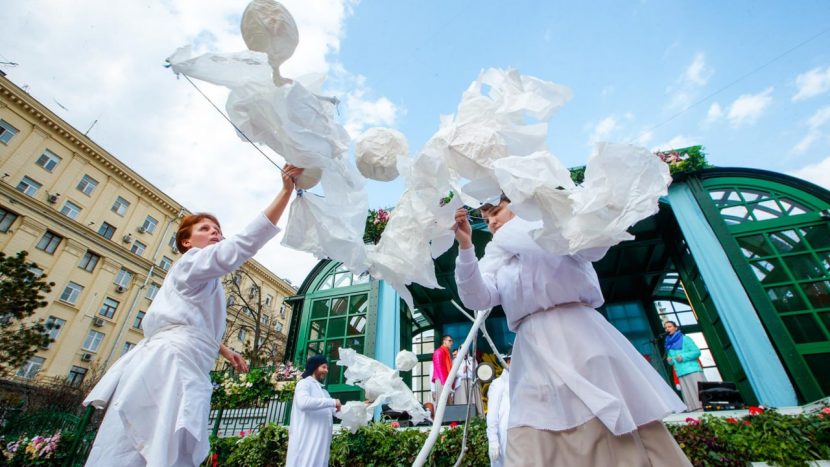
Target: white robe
309, 433
569, 363
159, 392
498, 410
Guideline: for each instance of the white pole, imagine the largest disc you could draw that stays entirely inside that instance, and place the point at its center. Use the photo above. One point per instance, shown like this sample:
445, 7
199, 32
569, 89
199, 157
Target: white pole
485, 333
445, 392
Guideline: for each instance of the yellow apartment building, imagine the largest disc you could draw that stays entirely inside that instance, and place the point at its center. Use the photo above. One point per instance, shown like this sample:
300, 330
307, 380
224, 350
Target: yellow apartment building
103, 234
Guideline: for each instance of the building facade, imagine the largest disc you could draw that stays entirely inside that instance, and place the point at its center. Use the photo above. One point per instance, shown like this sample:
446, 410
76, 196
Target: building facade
103, 234
740, 258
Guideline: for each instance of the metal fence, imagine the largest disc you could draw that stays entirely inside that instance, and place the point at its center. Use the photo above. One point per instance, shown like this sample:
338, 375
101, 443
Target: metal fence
232, 422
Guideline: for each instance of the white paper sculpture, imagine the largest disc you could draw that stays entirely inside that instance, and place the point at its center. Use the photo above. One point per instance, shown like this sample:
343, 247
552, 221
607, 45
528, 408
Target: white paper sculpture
269, 28
377, 152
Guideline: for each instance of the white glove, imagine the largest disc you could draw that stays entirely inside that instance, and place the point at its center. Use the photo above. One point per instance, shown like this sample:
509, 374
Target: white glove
494, 452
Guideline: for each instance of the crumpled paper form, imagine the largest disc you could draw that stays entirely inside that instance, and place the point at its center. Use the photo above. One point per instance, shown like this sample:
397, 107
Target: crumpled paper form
354, 414
296, 123
377, 152
268, 27
622, 186
381, 384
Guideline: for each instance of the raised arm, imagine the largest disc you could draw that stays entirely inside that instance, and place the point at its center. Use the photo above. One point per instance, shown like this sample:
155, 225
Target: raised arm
477, 291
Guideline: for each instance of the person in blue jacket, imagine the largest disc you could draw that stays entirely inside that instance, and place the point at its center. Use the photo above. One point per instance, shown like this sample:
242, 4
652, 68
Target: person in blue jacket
682, 353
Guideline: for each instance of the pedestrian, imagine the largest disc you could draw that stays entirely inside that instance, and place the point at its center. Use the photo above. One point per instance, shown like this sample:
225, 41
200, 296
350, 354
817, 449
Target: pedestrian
682, 353
498, 410
580, 394
312, 412
158, 395
441, 366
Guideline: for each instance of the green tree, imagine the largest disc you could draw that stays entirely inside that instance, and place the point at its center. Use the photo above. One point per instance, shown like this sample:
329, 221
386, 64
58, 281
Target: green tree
21, 294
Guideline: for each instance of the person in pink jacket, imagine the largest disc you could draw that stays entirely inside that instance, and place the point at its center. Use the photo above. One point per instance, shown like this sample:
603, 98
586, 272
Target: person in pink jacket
441, 365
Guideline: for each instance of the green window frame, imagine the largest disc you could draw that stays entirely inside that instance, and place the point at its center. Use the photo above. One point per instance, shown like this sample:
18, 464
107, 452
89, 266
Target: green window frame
781, 250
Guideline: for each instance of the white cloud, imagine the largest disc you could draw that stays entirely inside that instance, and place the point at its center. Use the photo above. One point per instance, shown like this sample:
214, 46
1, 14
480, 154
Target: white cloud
818, 173
748, 108
679, 141
603, 129
714, 114
697, 72
101, 63
815, 132
644, 138
685, 89
812, 83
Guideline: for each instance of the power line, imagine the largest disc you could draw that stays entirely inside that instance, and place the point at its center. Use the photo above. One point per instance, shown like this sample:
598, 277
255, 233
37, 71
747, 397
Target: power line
733, 82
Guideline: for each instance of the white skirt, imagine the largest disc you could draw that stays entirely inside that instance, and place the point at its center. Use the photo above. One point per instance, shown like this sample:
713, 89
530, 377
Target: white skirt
570, 365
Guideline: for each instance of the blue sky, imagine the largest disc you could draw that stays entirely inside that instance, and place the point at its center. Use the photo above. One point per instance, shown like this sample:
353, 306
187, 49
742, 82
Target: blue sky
632, 65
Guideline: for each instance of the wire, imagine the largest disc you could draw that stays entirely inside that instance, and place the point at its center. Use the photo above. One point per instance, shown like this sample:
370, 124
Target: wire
732, 83
232, 123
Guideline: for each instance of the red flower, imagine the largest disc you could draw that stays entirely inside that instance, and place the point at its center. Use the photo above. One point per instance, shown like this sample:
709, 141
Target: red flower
214, 457
826, 410
453, 424
395, 425
756, 410
692, 421
746, 422
732, 420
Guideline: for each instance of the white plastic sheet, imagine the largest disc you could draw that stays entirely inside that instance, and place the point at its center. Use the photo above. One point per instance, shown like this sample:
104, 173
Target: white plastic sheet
406, 360
353, 415
381, 384
377, 152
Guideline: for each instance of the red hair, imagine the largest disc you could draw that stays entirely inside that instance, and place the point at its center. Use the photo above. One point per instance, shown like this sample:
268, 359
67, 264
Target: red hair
186, 227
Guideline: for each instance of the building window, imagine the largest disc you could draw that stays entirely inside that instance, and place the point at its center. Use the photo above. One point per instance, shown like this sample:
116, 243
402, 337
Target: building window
49, 242
127, 347
87, 184
282, 310
28, 186
120, 206
7, 218
237, 279
268, 300
165, 263
89, 261
76, 375
243, 333
38, 272
108, 308
48, 160
172, 242
31, 368
139, 318
123, 278
152, 290
149, 225
138, 248
93, 340
334, 323
53, 328
278, 326
265, 319
70, 210
232, 300
106, 231
7, 132
71, 293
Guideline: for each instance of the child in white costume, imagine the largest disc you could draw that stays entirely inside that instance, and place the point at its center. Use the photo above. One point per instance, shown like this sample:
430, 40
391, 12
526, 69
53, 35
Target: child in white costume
158, 394
580, 394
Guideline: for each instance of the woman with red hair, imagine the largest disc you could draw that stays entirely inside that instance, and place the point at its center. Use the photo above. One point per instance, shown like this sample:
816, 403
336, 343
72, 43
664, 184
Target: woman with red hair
158, 394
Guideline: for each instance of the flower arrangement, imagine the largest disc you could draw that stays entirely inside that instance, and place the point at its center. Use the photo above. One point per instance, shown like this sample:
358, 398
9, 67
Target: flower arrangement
376, 222
35, 450
285, 380
684, 159
252, 389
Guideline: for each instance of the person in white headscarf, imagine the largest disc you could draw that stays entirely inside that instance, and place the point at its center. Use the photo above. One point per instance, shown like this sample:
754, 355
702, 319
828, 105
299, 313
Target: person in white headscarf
158, 394
580, 393
498, 409
312, 411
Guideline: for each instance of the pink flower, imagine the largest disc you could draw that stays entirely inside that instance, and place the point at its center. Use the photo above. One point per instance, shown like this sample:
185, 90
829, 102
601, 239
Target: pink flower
395, 425
826, 410
692, 421
242, 433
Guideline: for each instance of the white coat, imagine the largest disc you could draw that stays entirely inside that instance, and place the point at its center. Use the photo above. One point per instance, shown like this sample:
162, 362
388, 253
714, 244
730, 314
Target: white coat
159, 393
309, 433
498, 410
